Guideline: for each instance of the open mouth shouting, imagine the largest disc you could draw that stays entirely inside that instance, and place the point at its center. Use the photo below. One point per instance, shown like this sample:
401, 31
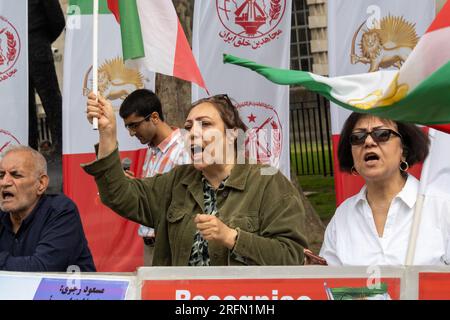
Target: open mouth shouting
197, 152
7, 196
371, 158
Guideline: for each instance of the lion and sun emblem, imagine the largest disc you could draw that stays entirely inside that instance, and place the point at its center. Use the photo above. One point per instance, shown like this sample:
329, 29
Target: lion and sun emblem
115, 80
385, 46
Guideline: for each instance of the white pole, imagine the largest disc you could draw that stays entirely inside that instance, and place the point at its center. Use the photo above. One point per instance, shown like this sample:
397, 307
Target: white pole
95, 57
418, 208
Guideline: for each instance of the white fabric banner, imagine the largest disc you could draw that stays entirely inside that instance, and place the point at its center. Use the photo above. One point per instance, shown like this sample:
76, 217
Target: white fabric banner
115, 81
103, 228
438, 176
13, 73
367, 36
356, 28
260, 31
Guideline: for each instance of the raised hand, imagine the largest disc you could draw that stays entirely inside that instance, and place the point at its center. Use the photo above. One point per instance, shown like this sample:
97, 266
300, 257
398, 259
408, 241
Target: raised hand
107, 128
102, 110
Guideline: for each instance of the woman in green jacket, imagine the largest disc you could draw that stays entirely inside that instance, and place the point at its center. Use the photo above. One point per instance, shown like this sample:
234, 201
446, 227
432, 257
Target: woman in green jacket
215, 211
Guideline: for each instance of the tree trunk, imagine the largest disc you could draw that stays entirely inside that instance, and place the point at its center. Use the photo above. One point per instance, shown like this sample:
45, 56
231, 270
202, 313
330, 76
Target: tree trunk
175, 96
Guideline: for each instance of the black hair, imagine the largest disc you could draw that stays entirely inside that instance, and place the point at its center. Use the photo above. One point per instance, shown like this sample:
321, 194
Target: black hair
141, 102
414, 141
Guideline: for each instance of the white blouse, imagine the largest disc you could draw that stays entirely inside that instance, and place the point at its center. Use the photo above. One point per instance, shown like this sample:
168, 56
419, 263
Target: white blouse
351, 237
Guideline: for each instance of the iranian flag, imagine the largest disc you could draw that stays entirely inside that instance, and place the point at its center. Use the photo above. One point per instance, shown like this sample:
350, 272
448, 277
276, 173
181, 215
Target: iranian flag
153, 37
113, 240
418, 92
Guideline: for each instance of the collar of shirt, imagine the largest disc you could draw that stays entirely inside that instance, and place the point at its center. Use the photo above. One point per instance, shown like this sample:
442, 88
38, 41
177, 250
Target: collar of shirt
6, 220
408, 194
209, 187
168, 141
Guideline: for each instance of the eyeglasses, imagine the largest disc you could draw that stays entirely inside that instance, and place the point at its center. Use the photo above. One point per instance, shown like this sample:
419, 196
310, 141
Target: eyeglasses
378, 135
134, 125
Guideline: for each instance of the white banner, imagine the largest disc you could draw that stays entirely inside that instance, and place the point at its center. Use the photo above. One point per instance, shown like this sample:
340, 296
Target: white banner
57, 286
439, 163
13, 73
352, 30
115, 81
260, 31
367, 36
113, 240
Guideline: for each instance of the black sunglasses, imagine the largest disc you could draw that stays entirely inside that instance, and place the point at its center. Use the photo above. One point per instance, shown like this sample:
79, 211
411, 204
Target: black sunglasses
378, 135
134, 125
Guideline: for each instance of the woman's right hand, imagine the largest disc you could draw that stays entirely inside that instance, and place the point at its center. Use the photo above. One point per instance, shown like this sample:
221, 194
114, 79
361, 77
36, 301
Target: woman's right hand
107, 128
103, 111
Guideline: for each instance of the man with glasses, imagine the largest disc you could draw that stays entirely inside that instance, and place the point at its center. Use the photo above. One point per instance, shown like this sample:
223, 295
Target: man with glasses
143, 117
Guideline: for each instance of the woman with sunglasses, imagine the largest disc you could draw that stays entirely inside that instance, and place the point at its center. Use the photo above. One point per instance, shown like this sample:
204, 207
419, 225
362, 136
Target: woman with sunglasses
215, 211
373, 227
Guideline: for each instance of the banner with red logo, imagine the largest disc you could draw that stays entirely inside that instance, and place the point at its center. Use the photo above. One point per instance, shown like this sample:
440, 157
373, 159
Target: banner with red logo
112, 239
369, 36
258, 30
13, 73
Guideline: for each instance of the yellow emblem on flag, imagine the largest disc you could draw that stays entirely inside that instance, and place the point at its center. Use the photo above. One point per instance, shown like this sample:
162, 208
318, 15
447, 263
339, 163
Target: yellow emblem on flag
387, 46
115, 80
394, 93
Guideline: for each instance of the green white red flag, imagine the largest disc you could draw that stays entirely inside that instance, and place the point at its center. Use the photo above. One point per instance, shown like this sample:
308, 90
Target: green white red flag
418, 92
113, 240
153, 36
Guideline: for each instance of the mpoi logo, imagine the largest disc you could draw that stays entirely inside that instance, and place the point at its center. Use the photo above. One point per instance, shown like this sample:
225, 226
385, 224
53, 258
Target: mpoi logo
9, 49
264, 135
7, 139
250, 23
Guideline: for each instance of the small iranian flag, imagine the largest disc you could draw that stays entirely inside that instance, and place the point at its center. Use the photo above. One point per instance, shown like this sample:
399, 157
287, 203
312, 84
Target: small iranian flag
153, 36
418, 92
379, 292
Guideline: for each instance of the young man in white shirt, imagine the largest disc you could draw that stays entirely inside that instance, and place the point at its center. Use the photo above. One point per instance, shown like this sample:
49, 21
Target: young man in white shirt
143, 117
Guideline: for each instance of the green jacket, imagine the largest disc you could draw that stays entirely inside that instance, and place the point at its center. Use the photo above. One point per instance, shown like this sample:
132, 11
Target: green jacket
265, 209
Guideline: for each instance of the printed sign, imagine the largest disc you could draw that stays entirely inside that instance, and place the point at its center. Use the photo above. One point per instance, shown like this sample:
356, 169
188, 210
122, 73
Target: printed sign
434, 286
271, 289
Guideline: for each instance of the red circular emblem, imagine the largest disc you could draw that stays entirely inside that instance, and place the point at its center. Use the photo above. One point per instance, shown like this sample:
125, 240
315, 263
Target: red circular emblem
264, 135
7, 139
9, 48
246, 21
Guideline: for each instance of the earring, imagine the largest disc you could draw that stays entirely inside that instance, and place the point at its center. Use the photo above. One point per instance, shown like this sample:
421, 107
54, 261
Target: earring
404, 166
354, 171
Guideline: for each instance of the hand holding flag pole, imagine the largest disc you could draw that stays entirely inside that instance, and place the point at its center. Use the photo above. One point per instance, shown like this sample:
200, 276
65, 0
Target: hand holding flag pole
95, 58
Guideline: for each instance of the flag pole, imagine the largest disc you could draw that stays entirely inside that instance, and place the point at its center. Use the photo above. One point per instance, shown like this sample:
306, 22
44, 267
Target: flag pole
95, 58
418, 207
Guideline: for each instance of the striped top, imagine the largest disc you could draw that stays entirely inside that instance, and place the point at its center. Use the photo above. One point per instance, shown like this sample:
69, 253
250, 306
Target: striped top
169, 153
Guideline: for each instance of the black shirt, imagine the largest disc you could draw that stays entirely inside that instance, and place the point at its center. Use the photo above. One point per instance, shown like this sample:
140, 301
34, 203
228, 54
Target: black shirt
46, 18
51, 238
